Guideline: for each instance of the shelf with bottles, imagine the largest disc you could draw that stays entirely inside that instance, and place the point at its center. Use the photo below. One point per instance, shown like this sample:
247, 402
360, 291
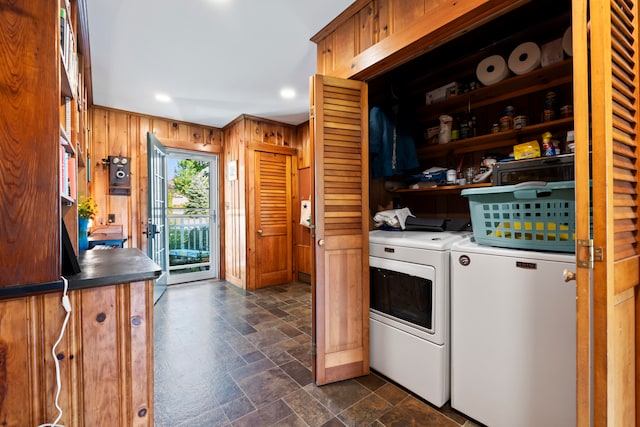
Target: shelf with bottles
495, 140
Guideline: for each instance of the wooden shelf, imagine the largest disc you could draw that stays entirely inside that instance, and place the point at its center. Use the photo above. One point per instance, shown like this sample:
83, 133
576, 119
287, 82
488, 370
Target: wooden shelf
540, 79
65, 81
494, 140
443, 189
65, 142
66, 199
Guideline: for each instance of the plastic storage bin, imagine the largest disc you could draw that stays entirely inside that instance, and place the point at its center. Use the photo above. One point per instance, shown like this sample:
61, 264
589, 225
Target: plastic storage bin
530, 215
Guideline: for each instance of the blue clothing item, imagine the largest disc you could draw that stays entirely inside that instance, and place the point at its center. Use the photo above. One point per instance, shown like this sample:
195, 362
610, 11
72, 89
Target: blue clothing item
388, 160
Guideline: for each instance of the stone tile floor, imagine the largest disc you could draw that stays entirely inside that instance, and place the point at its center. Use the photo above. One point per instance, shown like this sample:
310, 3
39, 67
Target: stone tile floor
225, 357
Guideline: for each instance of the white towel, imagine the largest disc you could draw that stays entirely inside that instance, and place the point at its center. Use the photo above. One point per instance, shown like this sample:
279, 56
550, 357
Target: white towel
393, 217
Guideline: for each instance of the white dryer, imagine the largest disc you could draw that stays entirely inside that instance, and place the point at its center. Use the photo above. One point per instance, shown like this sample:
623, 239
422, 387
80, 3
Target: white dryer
409, 315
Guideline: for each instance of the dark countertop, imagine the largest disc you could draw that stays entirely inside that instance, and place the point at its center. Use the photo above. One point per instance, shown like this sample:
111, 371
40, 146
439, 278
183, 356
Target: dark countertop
112, 266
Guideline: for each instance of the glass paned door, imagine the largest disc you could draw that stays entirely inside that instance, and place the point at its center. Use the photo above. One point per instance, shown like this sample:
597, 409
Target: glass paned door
192, 224
156, 226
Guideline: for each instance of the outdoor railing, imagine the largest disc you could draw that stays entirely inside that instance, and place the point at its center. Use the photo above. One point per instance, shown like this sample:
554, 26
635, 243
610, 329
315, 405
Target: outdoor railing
188, 239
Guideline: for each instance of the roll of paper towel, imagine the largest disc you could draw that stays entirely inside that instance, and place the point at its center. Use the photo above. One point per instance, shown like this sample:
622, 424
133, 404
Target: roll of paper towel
491, 70
524, 58
567, 42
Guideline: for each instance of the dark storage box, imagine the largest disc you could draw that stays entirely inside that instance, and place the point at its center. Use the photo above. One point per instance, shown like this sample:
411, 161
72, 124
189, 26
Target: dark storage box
548, 169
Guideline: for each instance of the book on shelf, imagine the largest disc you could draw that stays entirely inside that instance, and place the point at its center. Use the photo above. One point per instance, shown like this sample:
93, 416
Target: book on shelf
67, 47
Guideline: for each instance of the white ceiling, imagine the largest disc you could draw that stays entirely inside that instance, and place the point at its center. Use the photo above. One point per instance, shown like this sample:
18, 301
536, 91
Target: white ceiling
216, 59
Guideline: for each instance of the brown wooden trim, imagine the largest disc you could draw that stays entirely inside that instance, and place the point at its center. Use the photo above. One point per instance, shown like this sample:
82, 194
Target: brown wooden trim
442, 24
416, 41
268, 148
584, 295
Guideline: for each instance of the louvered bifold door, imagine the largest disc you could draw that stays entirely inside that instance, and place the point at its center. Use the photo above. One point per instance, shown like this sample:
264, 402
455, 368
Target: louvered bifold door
339, 129
613, 68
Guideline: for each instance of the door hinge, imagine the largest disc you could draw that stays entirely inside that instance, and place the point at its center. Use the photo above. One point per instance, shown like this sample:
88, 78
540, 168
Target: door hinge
587, 254
314, 349
312, 112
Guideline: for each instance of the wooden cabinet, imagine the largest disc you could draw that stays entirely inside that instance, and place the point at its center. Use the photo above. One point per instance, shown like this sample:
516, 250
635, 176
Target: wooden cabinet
405, 90
374, 36
105, 357
31, 152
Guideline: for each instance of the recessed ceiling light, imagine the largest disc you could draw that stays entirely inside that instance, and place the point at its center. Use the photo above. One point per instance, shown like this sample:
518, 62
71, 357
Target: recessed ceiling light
161, 97
288, 93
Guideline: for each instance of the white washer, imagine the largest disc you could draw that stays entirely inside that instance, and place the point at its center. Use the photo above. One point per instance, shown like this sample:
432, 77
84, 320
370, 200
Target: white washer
409, 315
513, 336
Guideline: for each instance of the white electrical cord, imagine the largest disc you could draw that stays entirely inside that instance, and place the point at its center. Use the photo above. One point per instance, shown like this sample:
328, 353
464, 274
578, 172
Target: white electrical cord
67, 307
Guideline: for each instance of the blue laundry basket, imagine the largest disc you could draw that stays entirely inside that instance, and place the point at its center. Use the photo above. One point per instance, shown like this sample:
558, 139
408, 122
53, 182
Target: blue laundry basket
530, 215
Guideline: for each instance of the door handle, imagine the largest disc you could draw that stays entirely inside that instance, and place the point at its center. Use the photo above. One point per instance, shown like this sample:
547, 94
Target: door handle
260, 232
568, 275
321, 242
152, 230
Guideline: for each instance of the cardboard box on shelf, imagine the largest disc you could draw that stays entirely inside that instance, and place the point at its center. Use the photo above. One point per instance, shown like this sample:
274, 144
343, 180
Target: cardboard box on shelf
442, 93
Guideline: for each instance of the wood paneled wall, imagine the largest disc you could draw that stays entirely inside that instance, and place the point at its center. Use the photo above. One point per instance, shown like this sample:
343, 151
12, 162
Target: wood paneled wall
115, 132
235, 231
105, 357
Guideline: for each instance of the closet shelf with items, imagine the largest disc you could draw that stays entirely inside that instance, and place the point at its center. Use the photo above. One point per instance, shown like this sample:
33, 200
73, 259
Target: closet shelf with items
534, 81
462, 119
496, 140
497, 107
443, 189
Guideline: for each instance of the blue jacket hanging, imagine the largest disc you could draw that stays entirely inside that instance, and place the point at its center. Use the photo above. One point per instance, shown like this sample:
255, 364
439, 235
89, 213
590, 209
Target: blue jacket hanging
393, 150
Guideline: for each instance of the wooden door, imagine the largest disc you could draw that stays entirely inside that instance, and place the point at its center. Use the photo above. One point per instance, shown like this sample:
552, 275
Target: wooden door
608, 56
273, 219
339, 135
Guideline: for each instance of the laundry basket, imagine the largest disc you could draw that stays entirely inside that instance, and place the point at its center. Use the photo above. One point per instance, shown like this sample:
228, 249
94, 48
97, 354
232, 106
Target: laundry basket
531, 215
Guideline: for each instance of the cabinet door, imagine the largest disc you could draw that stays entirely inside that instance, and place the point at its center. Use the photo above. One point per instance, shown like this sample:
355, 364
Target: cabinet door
612, 46
339, 135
